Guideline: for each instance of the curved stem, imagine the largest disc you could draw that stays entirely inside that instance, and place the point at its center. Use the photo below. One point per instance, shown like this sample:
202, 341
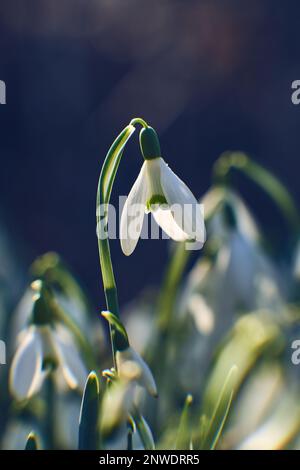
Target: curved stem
263, 178
140, 121
106, 180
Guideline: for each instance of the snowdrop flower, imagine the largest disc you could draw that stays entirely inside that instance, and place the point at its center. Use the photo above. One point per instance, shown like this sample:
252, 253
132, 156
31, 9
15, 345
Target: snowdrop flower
159, 191
129, 360
42, 343
247, 270
244, 277
234, 277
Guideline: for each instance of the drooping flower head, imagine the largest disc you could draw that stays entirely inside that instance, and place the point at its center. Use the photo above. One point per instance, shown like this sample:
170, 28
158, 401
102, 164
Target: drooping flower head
159, 191
44, 345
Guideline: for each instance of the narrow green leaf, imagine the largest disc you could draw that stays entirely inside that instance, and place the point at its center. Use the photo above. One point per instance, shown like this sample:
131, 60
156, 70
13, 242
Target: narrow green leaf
129, 440
220, 412
112, 161
183, 439
143, 430
131, 428
204, 424
105, 184
88, 421
118, 325
32, 442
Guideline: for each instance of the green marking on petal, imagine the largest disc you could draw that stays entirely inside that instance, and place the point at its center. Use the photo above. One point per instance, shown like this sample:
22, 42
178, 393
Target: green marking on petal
157, 199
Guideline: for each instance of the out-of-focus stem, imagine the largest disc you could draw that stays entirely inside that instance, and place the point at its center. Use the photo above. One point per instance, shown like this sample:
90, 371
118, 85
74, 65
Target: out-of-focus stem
263, 178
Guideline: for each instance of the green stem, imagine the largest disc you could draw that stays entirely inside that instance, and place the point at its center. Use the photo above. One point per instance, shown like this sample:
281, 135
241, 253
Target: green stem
263, 178
106, 180
140, 121
50, 417
172, 278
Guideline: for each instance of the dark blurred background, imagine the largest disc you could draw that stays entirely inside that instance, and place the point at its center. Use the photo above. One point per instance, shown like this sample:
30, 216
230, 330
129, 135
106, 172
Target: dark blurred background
209, 75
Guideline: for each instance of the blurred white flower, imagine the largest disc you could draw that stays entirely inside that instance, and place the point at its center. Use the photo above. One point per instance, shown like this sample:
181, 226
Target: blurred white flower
67, 411
174, 207
39, 344
73, 307
279, 428
130, 362
245, 277
235, 277
264, 389
139, 320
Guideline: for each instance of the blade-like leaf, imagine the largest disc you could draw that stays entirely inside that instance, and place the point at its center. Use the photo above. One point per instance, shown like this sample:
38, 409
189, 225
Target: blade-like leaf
220, 411
118, 326
143, 430
183, 439
32, 442
88, 422
105, 184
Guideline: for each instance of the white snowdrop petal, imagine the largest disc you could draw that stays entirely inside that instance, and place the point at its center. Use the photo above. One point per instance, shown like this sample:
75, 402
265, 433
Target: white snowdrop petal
185, 208
70, 362
133, 214
26, 370
145, 378
166, 221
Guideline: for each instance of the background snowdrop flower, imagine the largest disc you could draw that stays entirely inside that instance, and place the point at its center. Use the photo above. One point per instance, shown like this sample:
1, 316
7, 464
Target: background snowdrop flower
144, 377
26, 373
158, 190
244, 265
234, 276
41, 343
66, 295
243, 276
